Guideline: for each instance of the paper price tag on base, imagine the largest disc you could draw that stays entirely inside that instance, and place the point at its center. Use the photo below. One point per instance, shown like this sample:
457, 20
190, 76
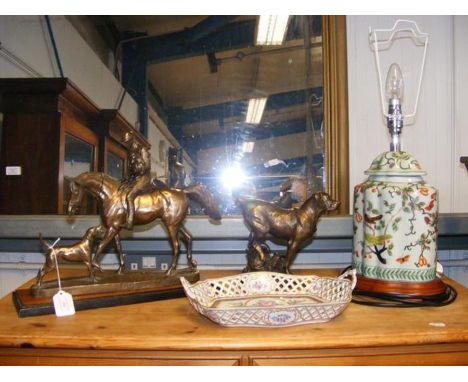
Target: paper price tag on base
63, 301
63, 304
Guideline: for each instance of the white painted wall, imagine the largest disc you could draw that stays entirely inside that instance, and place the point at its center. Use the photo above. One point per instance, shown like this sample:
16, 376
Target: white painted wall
27, 38
439, 135
460, 59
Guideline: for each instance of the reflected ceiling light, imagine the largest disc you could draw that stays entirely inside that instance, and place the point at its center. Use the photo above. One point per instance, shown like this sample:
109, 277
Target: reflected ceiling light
271, 29
255, 110
248, 146
233, 176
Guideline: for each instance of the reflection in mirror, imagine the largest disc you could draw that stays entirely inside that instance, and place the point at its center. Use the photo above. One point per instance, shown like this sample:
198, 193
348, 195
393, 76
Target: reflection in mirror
251, 119
162, 151
79, 158
115, 165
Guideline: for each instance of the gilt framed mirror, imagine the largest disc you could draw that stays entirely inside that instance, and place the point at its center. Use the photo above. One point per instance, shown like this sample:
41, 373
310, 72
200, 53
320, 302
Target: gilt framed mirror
248, 117
252, 116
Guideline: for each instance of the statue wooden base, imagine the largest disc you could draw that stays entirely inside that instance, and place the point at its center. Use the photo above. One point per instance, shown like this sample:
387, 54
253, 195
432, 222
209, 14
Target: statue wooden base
108, 289
269, 262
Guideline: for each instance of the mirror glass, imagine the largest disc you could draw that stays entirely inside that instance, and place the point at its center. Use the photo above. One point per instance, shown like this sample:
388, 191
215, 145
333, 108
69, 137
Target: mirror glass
250, 118
79, 158
115, 165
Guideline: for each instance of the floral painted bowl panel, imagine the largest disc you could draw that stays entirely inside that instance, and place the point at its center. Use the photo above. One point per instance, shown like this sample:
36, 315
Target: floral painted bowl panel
269, 299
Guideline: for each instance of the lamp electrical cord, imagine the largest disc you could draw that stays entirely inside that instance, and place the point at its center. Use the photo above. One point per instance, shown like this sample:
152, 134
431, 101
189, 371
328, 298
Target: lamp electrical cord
394, 300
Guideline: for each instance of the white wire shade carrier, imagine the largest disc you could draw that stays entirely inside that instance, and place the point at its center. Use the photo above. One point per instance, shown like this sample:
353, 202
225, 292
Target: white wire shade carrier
401, 29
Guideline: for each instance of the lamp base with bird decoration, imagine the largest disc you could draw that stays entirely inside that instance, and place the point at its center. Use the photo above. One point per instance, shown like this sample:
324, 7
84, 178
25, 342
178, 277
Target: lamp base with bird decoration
395, 229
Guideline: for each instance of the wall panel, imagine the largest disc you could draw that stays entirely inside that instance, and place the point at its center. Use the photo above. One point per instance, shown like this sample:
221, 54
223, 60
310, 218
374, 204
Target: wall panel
460, 59
434, 136
27, 38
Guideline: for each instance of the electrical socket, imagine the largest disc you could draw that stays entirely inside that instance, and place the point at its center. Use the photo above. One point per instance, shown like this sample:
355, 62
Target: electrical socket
134, 266
148, 262
164, 266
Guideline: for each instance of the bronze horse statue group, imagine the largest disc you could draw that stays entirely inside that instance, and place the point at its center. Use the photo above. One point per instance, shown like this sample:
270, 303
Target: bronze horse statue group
170, 205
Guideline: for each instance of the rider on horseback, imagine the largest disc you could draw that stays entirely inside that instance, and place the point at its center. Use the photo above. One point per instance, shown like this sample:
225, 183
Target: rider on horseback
139, 176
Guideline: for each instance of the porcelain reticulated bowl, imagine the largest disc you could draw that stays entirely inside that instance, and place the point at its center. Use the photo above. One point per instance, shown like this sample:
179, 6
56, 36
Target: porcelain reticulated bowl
269, 299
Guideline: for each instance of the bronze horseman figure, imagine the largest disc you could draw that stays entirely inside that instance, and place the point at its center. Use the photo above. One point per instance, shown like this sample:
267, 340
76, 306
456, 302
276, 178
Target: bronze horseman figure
136, 201
139, 178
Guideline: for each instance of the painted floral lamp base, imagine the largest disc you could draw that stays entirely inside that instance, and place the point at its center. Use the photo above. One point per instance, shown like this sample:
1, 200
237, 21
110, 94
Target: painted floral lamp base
395, 229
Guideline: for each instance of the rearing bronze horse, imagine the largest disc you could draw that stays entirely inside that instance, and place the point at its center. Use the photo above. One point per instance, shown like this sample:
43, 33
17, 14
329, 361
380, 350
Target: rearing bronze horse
168, 204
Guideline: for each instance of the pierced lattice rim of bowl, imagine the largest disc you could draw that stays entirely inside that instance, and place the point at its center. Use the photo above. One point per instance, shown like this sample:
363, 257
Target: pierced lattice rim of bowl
203, 298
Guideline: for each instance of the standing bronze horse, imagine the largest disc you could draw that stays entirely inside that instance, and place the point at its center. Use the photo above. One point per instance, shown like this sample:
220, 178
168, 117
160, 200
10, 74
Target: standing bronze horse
293, 225
168, 204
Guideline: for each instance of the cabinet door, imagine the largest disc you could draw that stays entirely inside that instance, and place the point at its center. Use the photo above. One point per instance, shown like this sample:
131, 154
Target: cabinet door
79, 147
67, 357
115, 161
30, 143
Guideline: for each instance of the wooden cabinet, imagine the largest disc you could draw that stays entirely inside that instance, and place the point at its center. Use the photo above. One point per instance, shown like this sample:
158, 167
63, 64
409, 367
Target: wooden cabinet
46, 136
443, 355
171, 332
50, 131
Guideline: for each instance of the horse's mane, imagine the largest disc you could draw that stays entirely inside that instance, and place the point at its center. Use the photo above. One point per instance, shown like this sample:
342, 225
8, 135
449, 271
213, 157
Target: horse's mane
99, 177
97, 174
109, 179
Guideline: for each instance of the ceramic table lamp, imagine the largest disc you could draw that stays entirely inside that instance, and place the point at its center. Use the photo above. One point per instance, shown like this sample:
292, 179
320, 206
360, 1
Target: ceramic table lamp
395, 211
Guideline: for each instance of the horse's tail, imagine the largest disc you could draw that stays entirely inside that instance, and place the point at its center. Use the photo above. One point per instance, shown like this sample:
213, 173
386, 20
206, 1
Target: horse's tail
200, 194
